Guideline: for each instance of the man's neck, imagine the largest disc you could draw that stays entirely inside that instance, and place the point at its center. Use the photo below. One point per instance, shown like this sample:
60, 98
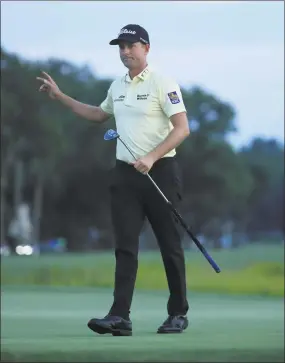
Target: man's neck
134, 72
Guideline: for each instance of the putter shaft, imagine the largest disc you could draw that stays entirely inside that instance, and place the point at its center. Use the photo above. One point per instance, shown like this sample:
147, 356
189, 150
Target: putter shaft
181, 220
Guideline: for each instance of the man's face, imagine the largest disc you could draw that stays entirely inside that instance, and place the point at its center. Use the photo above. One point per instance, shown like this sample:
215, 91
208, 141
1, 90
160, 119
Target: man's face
133, 54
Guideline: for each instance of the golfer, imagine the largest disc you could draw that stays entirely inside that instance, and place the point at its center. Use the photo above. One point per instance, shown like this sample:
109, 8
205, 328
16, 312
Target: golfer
151, 119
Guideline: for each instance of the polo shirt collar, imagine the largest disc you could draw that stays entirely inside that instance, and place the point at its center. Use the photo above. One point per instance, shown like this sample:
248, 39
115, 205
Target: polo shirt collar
142, 76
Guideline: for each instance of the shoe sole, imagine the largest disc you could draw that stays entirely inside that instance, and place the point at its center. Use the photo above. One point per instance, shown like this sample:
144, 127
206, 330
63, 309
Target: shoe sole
172, 331
107, 330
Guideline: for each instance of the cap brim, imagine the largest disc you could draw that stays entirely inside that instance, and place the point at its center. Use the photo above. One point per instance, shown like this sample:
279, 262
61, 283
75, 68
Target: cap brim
124, 38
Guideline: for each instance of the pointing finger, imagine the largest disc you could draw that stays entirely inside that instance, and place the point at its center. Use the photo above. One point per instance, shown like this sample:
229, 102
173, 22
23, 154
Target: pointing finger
41, 79
44, 81
48, 77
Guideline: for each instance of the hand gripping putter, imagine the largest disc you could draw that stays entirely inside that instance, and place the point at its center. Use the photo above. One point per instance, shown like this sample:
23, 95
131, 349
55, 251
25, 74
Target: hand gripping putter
112, 135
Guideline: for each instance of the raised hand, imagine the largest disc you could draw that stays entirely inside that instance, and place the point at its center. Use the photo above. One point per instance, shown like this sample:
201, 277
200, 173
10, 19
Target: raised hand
49, 86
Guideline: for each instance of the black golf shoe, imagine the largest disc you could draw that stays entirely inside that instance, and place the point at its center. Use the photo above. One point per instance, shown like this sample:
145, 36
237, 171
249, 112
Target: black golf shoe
114, 325
173, 324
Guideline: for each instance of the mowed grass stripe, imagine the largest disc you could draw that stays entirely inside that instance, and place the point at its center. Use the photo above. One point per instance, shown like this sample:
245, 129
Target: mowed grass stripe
249, 329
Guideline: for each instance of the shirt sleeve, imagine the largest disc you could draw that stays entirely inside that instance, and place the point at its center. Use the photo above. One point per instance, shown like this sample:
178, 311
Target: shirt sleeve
107, 104
171, 100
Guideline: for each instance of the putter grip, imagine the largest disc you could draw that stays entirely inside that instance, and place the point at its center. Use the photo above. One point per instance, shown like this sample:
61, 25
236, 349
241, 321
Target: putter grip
211, 261
194, 239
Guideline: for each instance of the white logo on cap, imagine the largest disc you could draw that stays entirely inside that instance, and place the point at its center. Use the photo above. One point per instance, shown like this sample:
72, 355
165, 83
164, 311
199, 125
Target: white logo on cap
126, 31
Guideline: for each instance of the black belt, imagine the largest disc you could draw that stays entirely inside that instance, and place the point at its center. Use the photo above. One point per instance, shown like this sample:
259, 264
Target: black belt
163, 161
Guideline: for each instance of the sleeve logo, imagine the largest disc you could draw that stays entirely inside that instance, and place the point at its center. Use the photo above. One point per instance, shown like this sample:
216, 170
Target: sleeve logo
173, 96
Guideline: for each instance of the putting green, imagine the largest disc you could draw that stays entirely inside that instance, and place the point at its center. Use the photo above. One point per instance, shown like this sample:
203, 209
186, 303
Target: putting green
49, 324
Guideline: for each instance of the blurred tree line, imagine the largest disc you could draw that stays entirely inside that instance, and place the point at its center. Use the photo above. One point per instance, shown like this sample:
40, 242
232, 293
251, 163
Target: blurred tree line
59, 163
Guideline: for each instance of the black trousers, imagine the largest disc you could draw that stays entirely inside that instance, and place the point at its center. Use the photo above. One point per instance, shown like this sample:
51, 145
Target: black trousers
134, 197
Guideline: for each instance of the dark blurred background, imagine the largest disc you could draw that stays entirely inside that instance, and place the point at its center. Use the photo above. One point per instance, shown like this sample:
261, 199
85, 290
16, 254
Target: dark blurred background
54, 166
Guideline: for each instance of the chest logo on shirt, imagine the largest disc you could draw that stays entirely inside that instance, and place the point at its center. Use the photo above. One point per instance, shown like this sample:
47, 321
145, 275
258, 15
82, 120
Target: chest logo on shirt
173, 96
142, 97
120, 98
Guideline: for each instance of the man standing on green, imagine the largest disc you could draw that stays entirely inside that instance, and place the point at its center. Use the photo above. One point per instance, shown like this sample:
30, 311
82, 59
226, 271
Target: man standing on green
151, 118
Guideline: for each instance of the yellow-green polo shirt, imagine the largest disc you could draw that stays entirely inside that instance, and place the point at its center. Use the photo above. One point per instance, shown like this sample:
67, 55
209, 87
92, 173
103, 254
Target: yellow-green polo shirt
142, 108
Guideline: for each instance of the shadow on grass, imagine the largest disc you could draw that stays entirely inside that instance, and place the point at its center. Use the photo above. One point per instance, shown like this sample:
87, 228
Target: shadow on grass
233, 355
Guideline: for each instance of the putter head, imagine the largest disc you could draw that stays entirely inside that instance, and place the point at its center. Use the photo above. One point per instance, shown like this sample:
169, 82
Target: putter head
111, 135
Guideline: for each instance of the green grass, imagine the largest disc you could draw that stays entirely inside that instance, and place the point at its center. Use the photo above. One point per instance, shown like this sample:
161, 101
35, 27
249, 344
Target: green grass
251, 270
49, 324
228, 259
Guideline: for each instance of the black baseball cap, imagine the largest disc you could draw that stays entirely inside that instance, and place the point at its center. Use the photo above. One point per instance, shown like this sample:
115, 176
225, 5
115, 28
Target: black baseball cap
132, 33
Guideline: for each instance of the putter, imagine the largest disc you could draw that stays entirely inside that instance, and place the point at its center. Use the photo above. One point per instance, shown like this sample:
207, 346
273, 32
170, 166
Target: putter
112, 135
